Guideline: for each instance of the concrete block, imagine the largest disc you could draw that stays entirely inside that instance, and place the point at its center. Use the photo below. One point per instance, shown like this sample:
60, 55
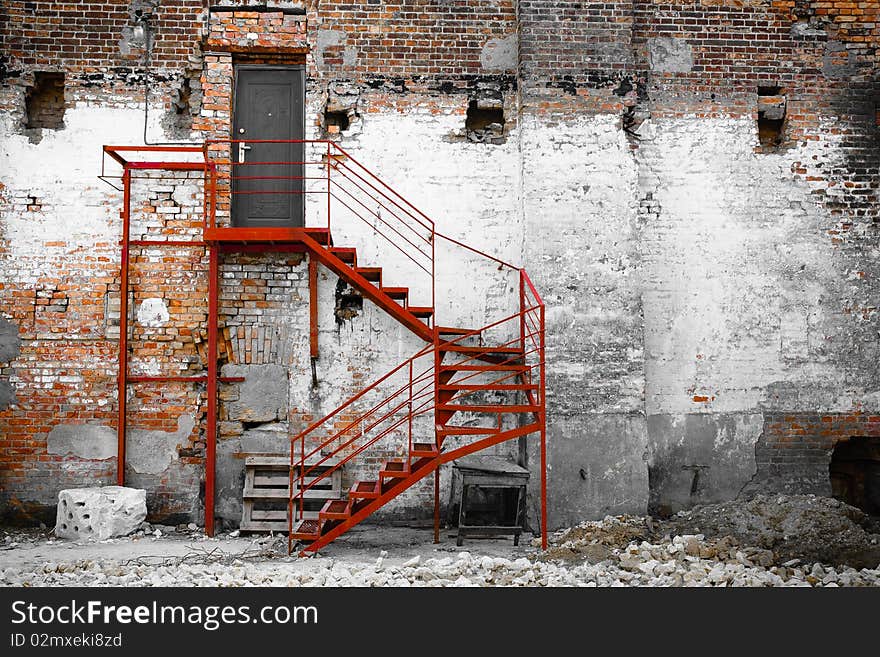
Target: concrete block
262, 396
99, 513
269, 438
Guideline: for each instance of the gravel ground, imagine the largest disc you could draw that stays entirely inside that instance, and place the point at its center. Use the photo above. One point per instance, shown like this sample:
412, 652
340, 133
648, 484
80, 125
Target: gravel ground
616, 551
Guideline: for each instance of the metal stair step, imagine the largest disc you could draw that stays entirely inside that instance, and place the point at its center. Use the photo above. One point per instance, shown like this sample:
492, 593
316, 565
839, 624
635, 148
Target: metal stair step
422, 312
394, 470
489, 408
348, 255
306, 530
465, 349
488, 386
335, 510
373, 274
452, 330
506, 367
424, 450
364, 490
397, 293
320, 235
467, 431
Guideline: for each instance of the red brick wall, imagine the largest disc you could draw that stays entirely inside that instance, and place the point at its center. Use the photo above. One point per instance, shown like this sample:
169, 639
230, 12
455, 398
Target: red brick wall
84, 36
407, 38
796, 448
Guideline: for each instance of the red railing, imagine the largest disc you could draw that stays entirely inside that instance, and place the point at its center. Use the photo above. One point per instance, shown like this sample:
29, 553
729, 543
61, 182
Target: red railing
349, 430
331, 182
347, 433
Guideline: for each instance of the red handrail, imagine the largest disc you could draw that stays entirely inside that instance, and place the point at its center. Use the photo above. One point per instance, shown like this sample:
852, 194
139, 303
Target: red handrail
356, 190
417, 402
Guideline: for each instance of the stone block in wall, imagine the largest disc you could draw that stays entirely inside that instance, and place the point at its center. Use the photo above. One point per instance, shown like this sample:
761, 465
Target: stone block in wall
772, 108
270, 438
99, 513
262, 395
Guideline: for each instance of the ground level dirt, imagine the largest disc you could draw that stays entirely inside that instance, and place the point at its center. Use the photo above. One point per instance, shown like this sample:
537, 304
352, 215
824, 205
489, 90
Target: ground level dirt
767, 541
806, 528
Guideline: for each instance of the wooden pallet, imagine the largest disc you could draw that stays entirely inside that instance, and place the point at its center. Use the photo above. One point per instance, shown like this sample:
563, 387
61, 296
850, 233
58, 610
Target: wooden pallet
266, 492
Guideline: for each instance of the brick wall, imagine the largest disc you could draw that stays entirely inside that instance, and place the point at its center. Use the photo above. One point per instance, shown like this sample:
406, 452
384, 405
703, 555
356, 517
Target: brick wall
711, 293
413, 38
796, 450
87, 36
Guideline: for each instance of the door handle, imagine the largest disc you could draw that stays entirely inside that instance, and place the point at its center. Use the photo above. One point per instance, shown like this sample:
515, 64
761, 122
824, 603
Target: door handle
242, 147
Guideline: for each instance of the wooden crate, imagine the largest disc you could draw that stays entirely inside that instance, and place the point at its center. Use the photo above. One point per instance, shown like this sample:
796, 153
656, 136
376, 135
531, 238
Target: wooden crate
266, 492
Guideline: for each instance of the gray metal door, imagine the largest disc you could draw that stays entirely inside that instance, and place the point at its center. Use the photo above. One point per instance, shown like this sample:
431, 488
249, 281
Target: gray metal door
267, 179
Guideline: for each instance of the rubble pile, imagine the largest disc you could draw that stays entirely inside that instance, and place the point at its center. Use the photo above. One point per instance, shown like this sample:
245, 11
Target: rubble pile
680, 561
806, 527
760, 542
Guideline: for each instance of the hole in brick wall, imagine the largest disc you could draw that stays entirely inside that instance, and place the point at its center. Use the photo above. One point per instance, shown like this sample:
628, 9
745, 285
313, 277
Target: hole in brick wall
855, 473
484, 122
184, 94
349, 304
771, 116
770, 131
336, 122
44, 102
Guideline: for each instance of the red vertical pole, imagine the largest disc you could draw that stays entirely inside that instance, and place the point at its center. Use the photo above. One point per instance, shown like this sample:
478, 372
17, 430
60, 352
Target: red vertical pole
543, 436
328, 185
522, 313
436, 426
211, 430
437, 504
290, 503
213, 195
410, 412
313, 307
302, 472
123, 329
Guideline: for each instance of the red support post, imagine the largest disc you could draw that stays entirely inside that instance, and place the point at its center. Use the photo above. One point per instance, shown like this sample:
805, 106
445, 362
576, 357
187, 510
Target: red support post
123, 329
211, 429
437, 504
302, 473
213, 194
522, 311
410, 414
290, 503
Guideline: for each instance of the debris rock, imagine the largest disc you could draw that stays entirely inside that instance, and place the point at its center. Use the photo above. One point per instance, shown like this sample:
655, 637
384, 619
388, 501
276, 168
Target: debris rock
99, 513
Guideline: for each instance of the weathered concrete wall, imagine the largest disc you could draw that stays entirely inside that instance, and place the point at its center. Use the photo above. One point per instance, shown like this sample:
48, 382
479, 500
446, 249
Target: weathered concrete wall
745, 303
582, 249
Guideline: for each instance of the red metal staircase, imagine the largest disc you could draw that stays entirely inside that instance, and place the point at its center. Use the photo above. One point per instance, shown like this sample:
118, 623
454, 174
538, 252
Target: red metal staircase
439, 382
466, 390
